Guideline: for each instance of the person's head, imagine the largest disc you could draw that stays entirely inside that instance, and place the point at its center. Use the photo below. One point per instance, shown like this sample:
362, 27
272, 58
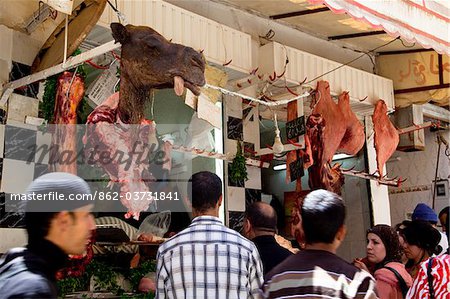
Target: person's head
423, 212
323, 216
398, 228
206, 193
443, 217
66, 223
421, 240
383, 245
260, 219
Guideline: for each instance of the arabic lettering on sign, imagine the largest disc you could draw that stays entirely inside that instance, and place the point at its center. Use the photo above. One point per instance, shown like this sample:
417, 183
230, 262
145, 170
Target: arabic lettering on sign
418, 70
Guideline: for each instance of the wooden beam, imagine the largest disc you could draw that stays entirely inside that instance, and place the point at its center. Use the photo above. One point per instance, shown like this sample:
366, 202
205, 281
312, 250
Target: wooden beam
355, 35
441, 69
404, 51
71, 62
422, 88
299, 13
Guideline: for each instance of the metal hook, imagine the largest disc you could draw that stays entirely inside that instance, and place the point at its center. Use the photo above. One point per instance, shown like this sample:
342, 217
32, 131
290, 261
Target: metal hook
71, 82
350, 169
115, 85
363, 99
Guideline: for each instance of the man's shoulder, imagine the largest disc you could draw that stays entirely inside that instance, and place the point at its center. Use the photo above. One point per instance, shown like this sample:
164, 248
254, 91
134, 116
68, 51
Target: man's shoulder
18, 280
314, 272
217, 233
26, 285
309, 260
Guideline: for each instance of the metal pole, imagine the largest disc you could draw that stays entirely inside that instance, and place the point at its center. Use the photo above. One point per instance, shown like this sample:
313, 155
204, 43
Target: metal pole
437, 168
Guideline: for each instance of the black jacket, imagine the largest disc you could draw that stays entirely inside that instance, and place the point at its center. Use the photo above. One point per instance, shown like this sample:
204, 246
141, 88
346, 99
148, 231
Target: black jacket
270, 251
30, 272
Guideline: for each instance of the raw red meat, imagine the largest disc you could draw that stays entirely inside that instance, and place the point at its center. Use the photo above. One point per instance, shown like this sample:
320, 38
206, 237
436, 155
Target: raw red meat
124, 148
70, 92
148, 61
325, 128
386, 136
354, 136
331, 128
336, 125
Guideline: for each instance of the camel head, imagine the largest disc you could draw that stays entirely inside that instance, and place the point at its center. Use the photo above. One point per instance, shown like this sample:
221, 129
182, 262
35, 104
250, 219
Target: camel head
151, 61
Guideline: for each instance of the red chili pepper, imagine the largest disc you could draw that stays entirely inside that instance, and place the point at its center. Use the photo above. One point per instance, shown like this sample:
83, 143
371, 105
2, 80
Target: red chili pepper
100, 67
115, 55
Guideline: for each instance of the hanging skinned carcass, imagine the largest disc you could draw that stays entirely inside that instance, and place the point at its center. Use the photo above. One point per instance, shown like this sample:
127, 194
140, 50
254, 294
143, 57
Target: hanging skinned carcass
386, 137
330, 128
148, 61
63, 151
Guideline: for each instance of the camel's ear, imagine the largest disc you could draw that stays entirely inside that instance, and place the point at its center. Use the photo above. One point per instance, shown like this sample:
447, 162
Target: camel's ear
120, 33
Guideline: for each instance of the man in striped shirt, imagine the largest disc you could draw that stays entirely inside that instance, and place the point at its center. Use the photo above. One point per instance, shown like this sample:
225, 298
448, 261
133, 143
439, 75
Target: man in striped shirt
207, 259
317, 272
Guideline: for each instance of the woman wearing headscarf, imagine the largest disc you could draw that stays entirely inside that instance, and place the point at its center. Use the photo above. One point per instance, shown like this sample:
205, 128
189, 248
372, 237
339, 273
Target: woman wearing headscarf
420, 242
384, 253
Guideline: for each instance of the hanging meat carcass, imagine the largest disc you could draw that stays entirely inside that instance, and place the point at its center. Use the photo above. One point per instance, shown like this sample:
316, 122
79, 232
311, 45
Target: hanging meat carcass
69, 93
331, 128
354, 136
386, 136
325, 128
148, 61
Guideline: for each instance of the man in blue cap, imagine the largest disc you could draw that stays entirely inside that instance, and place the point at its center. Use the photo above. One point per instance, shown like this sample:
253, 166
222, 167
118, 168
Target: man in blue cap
424, 213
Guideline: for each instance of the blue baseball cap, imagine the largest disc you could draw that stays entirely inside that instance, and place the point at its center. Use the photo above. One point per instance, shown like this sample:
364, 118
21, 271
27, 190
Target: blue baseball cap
424, 213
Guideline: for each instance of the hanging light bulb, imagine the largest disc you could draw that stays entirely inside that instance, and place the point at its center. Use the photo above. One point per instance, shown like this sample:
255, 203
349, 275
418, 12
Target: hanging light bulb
278, 146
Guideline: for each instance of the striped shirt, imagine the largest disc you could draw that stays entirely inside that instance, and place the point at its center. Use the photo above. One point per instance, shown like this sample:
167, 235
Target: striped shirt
208, 260
440, 270
317, 274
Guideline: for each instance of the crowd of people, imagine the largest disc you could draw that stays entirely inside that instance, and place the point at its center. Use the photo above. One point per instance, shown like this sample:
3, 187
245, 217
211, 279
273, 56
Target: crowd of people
210, 260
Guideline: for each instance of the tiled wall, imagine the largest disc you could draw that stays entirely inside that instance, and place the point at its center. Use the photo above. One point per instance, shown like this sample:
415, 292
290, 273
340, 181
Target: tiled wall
419, 168
242, 122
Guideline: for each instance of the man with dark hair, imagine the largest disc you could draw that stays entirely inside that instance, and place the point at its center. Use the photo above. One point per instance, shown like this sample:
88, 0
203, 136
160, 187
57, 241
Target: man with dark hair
317, 271
207, 259
55, 230
443, 217
260, 226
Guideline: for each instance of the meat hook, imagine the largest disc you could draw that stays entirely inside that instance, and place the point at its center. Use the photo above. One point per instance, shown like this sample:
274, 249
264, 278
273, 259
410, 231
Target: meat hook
373, 174
227, 63
364, 99
274, 76
303, 82
350, 169
253, 72
282, 74
291, 91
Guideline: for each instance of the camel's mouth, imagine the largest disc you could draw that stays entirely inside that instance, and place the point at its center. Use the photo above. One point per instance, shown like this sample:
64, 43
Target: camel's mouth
179, 84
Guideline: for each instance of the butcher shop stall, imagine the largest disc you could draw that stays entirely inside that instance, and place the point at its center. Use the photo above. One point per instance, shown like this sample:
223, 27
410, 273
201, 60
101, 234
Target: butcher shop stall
277, 98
